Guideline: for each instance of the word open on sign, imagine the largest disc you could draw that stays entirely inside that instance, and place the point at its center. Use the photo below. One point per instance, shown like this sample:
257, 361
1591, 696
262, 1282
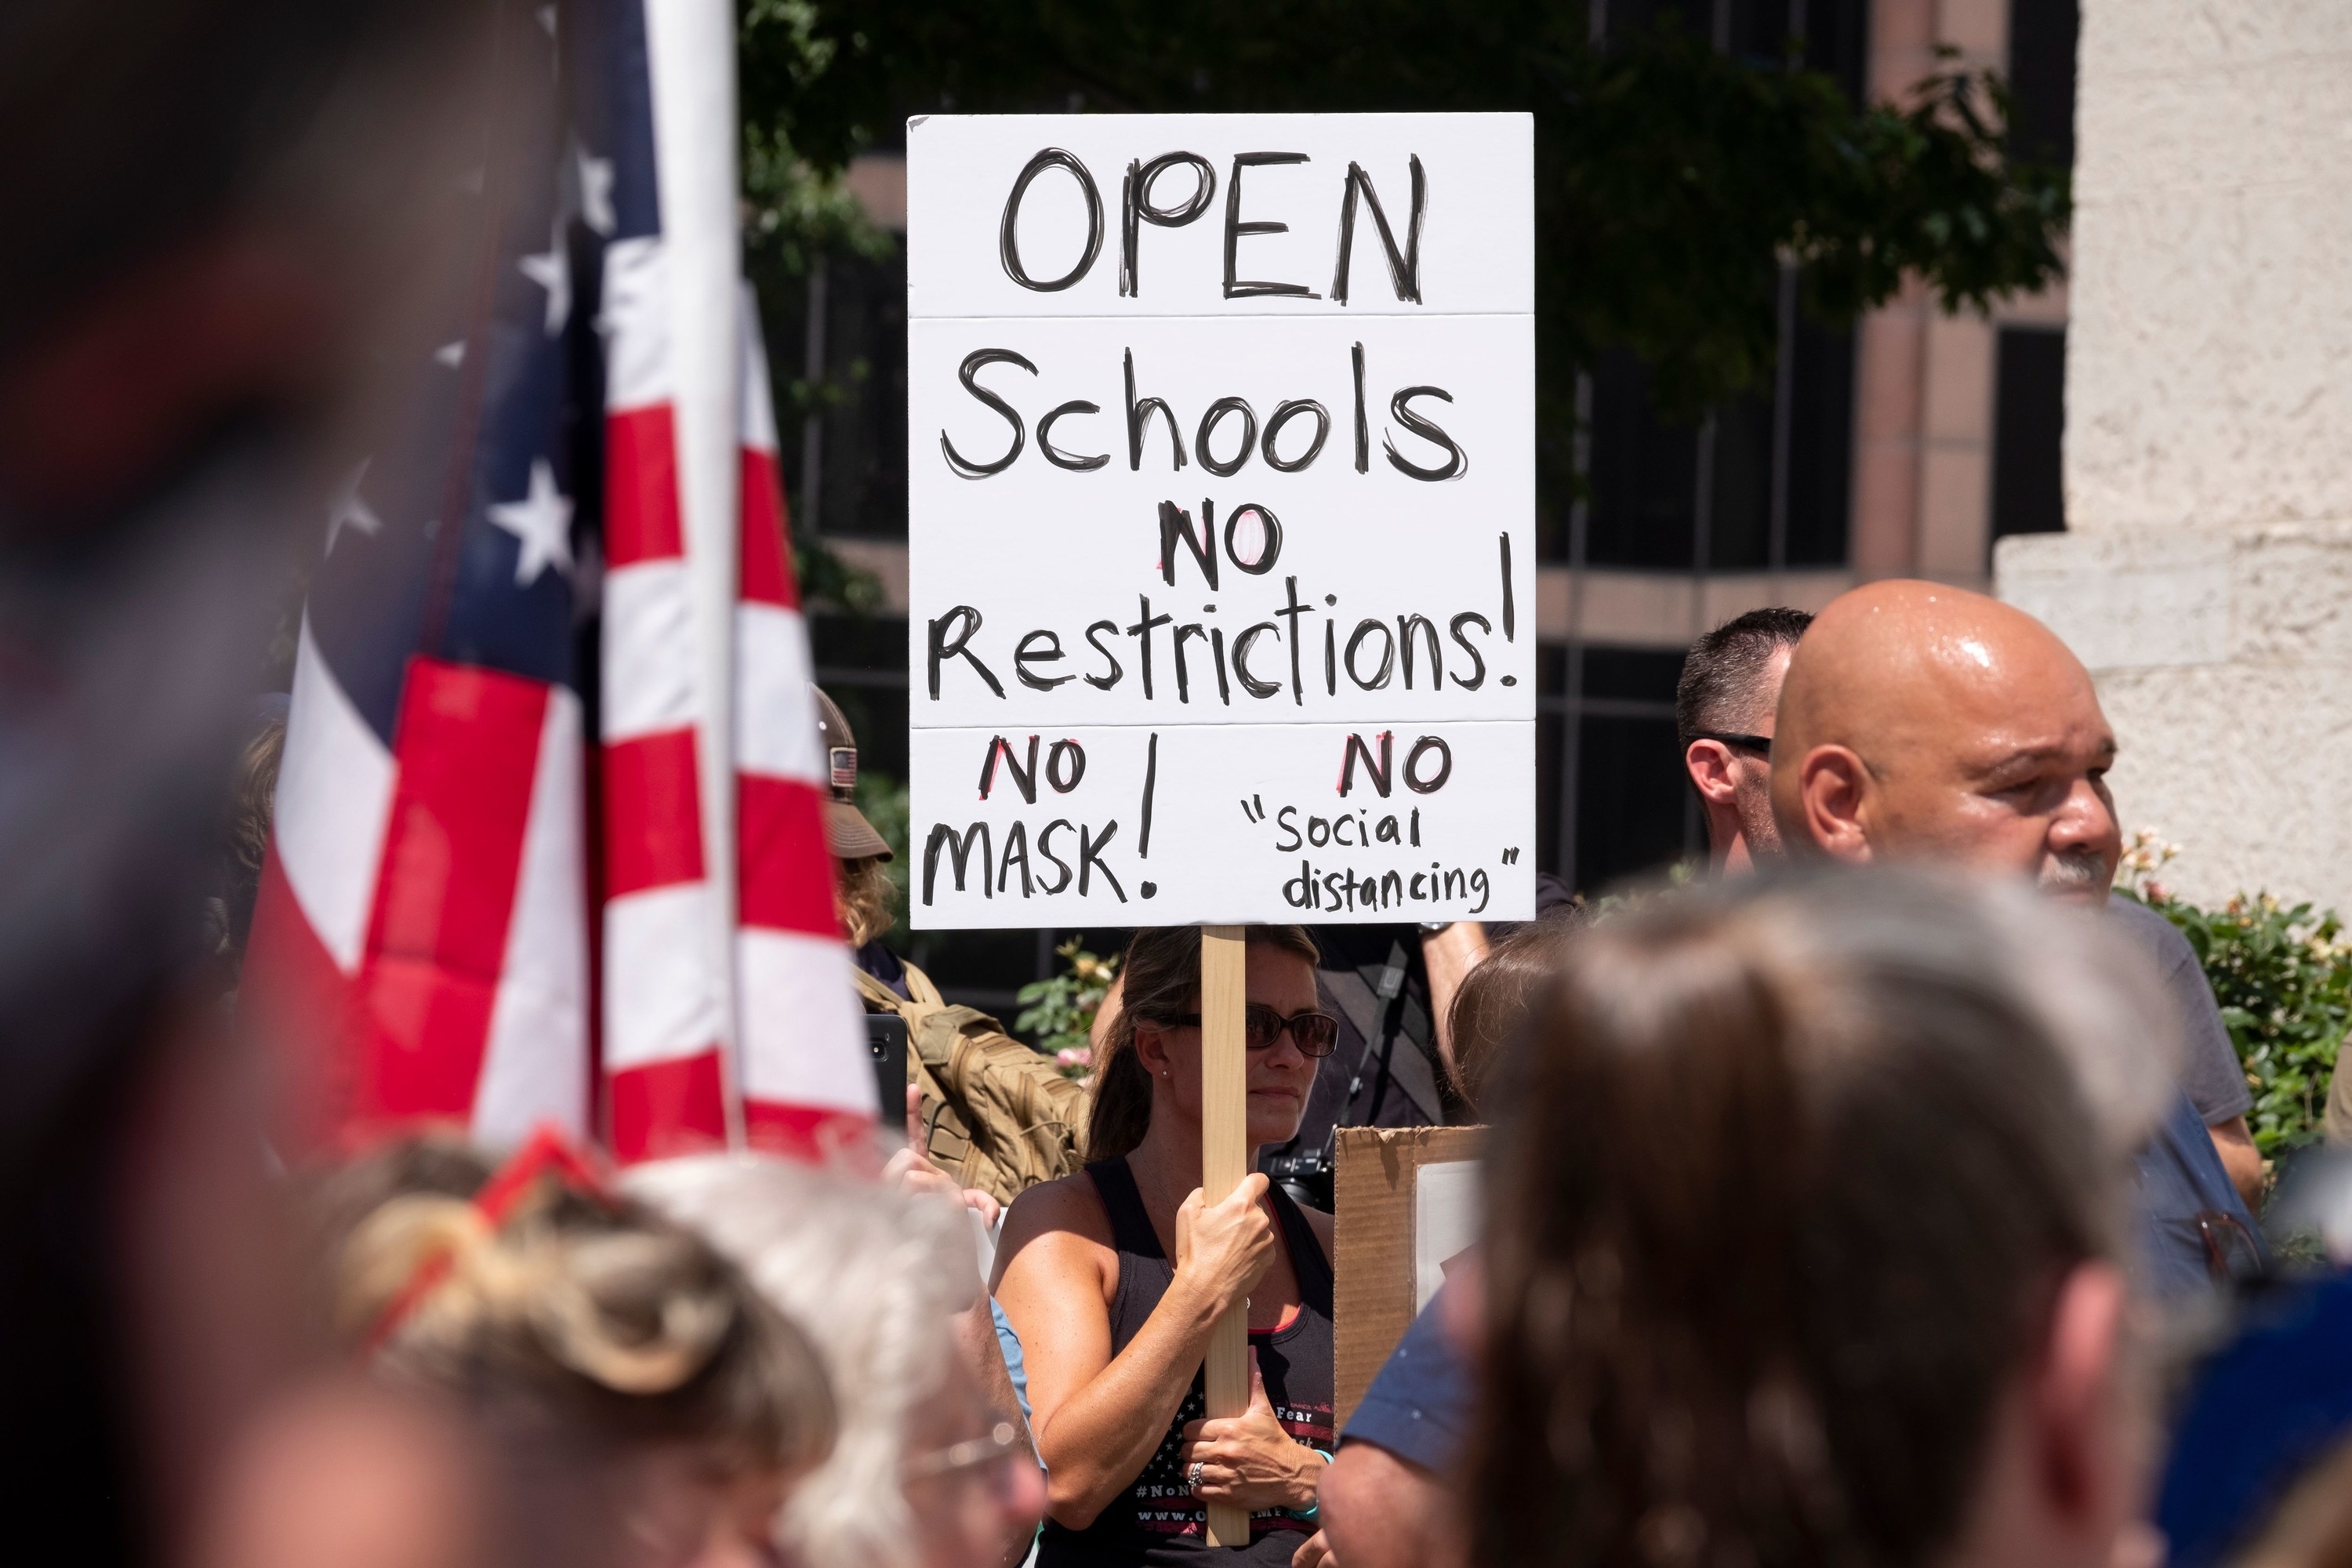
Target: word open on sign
1220, 451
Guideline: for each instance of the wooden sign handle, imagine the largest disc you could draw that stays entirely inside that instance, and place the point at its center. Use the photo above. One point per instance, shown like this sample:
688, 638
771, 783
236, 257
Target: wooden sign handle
1225, 1160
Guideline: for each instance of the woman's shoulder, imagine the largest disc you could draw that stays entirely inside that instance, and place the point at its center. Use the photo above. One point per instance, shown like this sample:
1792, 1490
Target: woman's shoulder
1069, 1204
1059, 1224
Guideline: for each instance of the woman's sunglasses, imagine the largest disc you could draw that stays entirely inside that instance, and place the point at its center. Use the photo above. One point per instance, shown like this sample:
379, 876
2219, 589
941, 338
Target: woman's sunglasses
1317, 1034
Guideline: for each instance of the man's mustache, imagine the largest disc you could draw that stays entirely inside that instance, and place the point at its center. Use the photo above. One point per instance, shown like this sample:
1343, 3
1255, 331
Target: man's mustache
2076, 869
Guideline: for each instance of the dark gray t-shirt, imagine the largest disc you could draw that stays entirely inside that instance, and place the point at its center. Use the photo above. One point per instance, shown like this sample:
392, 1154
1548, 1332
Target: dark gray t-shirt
2210, 1072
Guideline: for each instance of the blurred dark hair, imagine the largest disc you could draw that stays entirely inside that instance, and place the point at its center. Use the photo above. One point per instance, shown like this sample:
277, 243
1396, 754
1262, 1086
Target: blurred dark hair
1718, 688
1788, 1182
1160, 979
1496, 998
128, 127
129, 131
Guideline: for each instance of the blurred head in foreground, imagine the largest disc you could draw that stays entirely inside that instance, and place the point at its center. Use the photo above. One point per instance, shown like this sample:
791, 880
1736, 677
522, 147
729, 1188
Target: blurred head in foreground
1921, 722
2312, 1526
225, 214
1807, 1213
922, 1475
628, 1379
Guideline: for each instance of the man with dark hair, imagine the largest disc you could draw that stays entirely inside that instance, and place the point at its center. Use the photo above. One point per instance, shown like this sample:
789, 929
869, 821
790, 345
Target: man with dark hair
1724, 705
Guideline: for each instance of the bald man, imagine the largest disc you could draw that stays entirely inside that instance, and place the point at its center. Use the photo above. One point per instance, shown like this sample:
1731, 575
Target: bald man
1924, 723
1919, 721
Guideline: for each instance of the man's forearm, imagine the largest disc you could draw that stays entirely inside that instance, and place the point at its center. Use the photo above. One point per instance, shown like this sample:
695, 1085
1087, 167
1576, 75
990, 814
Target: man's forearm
1382, 1511
1450, 955
2242, 1158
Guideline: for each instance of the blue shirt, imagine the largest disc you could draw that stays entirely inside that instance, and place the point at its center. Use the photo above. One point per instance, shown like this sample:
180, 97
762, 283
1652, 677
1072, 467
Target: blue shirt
1418, 1406
1016, 1366
2190, 1211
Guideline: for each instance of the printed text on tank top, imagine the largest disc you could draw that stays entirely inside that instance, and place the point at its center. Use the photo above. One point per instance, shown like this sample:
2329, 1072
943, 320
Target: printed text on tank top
1157, 1522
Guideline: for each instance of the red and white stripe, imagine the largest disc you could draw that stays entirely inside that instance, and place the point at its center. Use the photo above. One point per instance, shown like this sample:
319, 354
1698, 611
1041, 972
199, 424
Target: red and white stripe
798, 1062
665, 985
807, 1088
418, 941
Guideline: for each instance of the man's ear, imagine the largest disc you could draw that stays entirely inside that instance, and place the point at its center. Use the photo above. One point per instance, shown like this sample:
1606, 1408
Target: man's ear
1708, 763
2077, 1406
1833, 783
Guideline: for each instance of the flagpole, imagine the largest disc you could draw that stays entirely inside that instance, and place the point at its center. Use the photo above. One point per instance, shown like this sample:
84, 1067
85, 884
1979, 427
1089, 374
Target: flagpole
691, 50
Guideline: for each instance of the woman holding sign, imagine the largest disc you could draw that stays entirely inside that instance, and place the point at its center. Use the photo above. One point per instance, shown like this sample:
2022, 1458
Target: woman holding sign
1115, 1333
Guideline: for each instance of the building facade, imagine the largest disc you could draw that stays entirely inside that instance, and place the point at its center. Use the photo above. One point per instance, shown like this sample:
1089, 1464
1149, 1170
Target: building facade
2208, 564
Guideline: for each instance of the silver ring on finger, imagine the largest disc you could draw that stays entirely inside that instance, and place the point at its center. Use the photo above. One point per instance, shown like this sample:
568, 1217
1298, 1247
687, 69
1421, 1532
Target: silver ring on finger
1192, 1478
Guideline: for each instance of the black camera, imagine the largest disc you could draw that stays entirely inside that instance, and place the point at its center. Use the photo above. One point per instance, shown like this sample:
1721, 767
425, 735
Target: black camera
1306, 1177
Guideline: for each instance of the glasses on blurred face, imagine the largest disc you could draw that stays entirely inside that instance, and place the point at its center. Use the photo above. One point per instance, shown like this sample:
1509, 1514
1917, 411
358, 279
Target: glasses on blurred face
972, 1454
1760, 744
2230, 1251
1317, 1034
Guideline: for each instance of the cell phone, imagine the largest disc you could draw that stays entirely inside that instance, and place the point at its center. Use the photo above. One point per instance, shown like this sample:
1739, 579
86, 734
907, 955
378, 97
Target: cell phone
885, 1041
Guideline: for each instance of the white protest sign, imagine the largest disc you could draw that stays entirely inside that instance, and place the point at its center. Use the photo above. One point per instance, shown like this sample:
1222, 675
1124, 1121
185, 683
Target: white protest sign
1221, 457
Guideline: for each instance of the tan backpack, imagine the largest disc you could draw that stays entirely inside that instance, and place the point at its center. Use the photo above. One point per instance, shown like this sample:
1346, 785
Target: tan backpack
995, 1114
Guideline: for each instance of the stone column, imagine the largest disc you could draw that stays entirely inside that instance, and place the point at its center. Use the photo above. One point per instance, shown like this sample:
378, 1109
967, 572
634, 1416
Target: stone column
2206, 576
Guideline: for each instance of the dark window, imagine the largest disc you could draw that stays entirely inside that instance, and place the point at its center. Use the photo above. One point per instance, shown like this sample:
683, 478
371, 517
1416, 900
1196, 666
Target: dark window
1635, 806
1837, 41
1739, 454
2041, 35
1644, 475
1753, 486
1635, 15
1632, 811
1821, 445
1759, 31
864, 488
850, 394
2028, 424
1648, 475
1551, 722
1631, 675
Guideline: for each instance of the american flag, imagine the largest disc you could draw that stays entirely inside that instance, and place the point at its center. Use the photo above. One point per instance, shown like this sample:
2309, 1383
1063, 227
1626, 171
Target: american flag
501, 889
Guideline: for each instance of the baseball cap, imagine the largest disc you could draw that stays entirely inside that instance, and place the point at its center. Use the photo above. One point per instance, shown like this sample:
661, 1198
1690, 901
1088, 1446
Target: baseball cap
846, 832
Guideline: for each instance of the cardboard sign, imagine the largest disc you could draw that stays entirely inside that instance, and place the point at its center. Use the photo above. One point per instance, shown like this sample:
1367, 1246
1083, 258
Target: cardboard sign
1220, 476
1405, 1202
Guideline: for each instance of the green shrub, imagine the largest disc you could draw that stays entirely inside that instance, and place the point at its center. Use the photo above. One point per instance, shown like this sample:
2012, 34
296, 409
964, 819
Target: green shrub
2283, 978
1062, 1010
